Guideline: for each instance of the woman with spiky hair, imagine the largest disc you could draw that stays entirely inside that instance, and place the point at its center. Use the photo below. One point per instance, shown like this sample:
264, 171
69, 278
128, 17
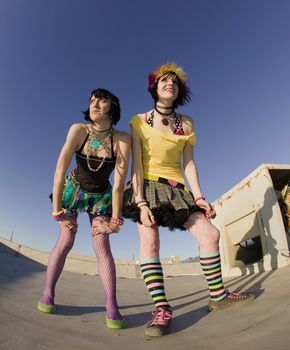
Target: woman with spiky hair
99, 150
157, 195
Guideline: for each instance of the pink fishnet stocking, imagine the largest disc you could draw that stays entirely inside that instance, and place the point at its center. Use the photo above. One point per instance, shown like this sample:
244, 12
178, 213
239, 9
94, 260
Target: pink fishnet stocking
56, 261
107, 272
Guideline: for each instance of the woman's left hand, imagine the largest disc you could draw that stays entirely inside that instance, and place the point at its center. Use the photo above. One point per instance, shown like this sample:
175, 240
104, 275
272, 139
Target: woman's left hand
115, 228
209, 210
99, 225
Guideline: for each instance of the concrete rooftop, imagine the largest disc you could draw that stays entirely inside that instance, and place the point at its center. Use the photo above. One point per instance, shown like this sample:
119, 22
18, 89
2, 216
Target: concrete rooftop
79, 322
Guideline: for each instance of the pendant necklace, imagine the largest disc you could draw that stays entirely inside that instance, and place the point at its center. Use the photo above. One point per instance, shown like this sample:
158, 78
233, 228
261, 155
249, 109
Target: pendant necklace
164, 121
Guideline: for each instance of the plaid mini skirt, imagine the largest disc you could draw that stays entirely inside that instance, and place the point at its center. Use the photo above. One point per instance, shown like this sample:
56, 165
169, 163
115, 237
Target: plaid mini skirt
170, 202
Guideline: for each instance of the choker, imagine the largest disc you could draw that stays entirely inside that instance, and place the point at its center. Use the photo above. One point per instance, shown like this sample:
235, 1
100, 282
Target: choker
161, 113
110, 128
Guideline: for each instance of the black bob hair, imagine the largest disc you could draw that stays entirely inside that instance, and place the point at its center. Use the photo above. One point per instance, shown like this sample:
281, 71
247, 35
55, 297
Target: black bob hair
115, 111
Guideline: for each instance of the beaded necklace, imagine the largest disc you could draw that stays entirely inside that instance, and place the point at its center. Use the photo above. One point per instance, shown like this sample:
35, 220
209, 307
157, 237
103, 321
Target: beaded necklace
95, 142
175, 115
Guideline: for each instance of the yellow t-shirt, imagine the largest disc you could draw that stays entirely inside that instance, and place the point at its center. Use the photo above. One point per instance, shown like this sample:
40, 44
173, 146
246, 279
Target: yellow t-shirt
161, 152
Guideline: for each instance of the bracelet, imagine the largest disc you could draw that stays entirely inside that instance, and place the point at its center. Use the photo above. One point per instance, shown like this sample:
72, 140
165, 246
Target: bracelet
58, 215
114, 228
143, 204
199, 198
141, 201
117, 221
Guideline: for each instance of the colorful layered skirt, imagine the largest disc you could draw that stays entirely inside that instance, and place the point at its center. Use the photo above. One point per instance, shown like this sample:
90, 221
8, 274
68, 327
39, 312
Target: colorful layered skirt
76, 199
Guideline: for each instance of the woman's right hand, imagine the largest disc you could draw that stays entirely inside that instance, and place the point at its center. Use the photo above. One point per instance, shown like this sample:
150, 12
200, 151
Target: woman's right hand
146, 216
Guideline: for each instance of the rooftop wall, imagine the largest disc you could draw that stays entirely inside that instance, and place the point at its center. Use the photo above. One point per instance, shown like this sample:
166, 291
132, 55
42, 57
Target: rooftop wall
87, 264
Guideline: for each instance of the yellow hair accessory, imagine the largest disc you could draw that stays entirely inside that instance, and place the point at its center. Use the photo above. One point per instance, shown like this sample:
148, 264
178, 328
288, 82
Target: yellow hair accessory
170, 67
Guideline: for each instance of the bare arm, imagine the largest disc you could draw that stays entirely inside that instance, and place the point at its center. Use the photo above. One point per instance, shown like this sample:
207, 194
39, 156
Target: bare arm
191, 172
75, 134
121, 168
146, 215
137, 166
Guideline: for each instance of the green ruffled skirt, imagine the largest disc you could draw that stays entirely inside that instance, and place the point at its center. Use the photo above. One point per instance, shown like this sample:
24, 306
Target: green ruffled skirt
75, 199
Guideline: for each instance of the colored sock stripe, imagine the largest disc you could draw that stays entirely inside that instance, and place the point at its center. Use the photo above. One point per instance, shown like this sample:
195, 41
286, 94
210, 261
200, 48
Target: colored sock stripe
215, 275
216, 286
151, 269
210, 260
209, 255
213, 298
210, 272
155, 285
211, 266
152, 273
216, 280
149, 261
153, 276
156, 291
151, 279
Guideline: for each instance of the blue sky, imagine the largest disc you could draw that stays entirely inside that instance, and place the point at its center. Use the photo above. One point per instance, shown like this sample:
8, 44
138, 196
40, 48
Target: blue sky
53, 53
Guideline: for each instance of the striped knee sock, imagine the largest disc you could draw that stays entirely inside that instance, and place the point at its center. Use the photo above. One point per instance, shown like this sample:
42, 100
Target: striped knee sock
153, 276
211, 266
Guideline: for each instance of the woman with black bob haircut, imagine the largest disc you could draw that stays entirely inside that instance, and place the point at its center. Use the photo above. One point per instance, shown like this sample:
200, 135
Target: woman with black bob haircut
99, 150
115, 111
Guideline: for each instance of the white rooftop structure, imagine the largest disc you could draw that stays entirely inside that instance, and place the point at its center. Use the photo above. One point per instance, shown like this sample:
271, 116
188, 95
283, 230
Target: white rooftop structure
253, 235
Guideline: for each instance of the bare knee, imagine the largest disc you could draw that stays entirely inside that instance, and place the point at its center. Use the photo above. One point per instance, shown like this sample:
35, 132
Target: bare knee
214, 234
202, 228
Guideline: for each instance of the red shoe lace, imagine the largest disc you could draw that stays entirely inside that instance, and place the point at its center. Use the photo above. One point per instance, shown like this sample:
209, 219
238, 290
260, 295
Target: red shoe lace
236, 295
161, 317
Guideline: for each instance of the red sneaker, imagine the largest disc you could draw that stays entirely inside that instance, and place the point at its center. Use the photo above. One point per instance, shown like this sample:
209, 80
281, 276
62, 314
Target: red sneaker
160, 323
231, 299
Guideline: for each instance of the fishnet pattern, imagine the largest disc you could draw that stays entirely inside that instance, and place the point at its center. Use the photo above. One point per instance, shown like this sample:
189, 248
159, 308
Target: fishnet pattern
107, 273
105, 263
149, 241
204, 231
56, 261
94, 182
